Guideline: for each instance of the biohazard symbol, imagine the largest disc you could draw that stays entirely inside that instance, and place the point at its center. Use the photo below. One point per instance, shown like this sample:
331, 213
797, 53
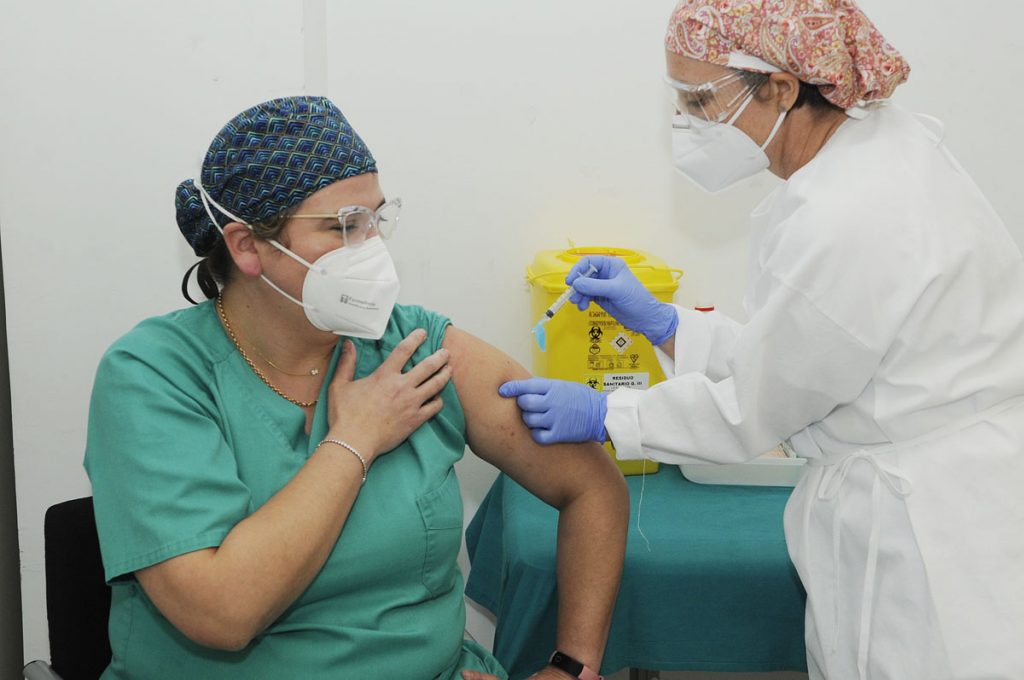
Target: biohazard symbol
633, 358
593, 383
596, 333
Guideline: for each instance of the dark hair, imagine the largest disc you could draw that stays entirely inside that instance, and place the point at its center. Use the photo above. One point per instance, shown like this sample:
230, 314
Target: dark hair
217, 267
809, 94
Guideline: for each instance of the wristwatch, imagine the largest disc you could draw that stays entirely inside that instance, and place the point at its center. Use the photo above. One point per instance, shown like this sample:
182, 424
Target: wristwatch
575, 668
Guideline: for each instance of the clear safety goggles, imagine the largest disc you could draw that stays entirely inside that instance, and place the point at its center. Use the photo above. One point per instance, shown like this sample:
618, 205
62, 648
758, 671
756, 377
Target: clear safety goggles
714, 100
359, 223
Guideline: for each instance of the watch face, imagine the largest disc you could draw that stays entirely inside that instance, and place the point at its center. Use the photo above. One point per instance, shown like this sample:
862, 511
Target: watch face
575, 668
566, 663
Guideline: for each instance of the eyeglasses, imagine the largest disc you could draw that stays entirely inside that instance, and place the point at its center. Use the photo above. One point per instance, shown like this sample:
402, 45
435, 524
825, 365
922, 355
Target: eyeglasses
359, 223
714, 100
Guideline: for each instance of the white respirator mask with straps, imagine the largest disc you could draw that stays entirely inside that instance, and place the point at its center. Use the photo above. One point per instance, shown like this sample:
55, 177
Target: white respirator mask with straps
716, 156
348, 291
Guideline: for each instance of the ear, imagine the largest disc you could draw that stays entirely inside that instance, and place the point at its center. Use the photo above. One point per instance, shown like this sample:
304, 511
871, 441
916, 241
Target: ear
784, 90
243, 248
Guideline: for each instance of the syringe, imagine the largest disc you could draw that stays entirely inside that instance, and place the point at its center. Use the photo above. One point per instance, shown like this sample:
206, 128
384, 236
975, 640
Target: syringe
538, 330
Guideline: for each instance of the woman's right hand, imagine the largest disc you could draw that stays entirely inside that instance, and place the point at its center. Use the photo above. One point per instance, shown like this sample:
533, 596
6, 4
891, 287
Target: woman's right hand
617, 290
387, 406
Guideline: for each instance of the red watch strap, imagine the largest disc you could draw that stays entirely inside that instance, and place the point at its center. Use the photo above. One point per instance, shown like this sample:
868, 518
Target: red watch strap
563, 661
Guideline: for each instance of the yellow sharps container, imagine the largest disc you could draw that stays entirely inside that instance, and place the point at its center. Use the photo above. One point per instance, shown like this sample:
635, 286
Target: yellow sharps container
591, 347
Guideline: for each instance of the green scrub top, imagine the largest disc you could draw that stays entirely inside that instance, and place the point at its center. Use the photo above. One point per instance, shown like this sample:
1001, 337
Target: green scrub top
185, 441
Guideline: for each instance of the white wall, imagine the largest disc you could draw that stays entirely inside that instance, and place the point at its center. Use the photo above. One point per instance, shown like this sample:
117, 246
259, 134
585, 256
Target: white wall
506, 127
107, 105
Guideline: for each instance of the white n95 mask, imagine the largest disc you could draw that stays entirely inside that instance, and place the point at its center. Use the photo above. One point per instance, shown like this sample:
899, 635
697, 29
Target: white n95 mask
349, 291
715, 156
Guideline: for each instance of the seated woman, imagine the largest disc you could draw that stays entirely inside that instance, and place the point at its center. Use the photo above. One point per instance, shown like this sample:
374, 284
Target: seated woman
276, 501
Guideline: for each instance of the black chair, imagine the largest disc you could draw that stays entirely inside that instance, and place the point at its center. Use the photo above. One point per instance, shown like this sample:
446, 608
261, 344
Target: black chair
77, 596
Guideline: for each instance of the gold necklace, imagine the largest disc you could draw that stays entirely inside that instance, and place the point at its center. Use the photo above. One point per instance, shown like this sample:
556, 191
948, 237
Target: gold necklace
255, 369
312, 372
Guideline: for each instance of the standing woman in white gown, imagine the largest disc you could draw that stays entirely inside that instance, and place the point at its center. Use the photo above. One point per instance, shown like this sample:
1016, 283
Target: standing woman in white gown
885, 343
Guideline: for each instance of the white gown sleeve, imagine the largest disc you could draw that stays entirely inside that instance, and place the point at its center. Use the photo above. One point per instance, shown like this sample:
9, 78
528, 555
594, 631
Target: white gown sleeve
789, 366
703, 344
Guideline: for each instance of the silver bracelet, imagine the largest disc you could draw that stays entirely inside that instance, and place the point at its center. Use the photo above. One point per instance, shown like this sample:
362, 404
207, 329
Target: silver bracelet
350, 448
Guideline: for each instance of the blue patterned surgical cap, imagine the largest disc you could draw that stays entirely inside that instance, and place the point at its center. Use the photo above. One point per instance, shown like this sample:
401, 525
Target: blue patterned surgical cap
267, 159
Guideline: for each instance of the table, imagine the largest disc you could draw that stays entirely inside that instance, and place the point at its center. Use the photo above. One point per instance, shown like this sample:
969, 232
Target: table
714, 592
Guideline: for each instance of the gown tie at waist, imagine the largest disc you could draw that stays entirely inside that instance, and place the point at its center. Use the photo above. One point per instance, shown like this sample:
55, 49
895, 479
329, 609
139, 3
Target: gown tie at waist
828, 490
838, 466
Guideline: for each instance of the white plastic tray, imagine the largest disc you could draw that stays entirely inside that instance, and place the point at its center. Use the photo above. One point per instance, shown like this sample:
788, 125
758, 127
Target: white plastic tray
765, 471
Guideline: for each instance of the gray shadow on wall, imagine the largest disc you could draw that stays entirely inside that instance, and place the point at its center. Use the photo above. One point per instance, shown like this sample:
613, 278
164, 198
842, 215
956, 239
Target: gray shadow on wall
11, 649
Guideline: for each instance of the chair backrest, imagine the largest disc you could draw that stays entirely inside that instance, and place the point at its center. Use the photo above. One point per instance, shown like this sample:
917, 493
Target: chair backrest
77, 596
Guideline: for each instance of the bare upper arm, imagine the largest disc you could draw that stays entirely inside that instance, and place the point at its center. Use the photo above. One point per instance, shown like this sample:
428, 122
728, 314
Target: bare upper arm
495, 430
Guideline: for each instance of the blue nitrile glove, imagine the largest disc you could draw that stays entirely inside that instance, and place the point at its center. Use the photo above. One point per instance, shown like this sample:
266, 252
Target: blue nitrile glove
617, 290
558, 411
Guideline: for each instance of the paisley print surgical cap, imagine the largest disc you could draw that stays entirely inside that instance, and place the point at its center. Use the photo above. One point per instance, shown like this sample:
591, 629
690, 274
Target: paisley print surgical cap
828, 43
268, 159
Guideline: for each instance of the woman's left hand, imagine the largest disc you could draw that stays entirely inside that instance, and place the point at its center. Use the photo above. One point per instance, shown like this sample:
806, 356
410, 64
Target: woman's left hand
547, 673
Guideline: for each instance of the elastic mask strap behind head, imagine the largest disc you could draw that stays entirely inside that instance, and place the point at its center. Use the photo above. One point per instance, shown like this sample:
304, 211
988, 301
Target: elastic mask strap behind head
208, 200
775, 128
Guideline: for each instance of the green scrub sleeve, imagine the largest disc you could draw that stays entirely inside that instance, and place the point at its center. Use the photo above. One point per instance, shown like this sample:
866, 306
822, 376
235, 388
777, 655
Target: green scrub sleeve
165, 481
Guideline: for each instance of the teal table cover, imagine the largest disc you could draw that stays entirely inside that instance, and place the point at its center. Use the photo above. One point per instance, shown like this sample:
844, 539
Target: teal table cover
710, 589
